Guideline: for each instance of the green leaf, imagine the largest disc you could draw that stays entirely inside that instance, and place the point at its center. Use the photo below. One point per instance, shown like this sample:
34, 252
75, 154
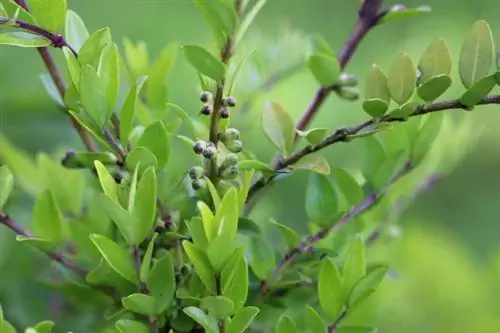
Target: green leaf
90, 52
219, 306
246, 183
404, 110
127, 113
204, 62
313, 162
478, 91
48, 222
319, 45
207, 218
6, 327
146, 260
476, 57
45, 326
374, 156
348, 186
161, 282
375, 107
286, 325
425, 138
107, 181
144, 209
321, 199
436, 61
242, 320
209, 323
219, 16
262, 258
219, 250
23, 39
160, 69
76, 32
434, 87
291, 237
330, 289
248, 19
377, 94
354, 265
109, 72
155, 138
356, 329
195, 226
313, 136
50, 14
278, 126
131, 326
234, 279
405, 13
366, 286
6, 184
140, 303
315, 323
402, 78
116, 256
86, 160
93, 96
140, 156
201, 265
51, 89
325, 68
254, 165
127, 224
226, 217
213, 193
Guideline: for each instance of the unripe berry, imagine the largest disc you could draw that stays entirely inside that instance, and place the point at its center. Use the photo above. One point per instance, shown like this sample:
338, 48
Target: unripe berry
350, 94
230, 160
198, 184
230, 173
224, 113
199, 146
348, 80
235, 146
205, 96
206, 109
221, 136
210, 152
231, 134
196, 172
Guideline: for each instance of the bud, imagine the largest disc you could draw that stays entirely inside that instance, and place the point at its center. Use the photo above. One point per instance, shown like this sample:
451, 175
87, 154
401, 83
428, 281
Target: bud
210, 152
196, 172
348, 80
231, 134
224, 113
350, 94
230, 173
235, 146
230, 160
198, 184
398, 8
205, 96
206, 109
199, 146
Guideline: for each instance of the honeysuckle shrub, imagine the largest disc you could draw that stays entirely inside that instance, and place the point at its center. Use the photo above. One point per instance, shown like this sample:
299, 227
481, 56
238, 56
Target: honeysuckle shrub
155, 250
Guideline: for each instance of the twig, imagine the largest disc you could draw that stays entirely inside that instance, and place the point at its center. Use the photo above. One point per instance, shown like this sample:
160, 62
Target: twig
332, 328
357, 210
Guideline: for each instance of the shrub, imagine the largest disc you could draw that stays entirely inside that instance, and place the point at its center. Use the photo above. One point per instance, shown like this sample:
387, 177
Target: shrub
155, 251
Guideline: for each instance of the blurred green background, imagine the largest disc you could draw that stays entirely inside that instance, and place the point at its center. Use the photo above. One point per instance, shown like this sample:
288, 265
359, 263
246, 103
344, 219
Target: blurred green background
448, 261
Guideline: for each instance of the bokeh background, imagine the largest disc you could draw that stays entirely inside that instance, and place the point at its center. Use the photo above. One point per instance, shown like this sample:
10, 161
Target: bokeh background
447, 264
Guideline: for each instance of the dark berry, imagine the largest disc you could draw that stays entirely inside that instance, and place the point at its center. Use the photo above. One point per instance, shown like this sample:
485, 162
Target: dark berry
206, 109
205, 96
198, 184
210, 152
231, 102
199, 146
224, 113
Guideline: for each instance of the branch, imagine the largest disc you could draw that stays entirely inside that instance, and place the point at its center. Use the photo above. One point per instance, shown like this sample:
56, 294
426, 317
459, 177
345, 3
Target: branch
355, 211
343, 134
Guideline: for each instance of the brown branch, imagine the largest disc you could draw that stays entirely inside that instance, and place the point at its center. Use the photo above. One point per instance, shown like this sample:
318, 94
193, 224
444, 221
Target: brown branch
368, 203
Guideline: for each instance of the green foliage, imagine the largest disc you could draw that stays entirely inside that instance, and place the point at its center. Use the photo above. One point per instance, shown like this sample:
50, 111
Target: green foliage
154, 249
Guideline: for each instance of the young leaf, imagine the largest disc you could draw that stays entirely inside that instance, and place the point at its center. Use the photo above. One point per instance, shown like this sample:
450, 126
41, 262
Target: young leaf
242, 320
354, 266
146, 260
326, 69
313, 162
404, 13
367, 285
291, 237
155, 138
476, 57
249, 18
107, 181
313, 136
349, 187
201, 265
254, 165
374, 156
321, 199
315, 323
425, 138
220, 249
116, 256
434, 87
47, 221
207, 218
377, 94
436, 61
76, 32
127, 114
141, 156
23, 39
478, 91
51, 89
45, 326
226, 217
90, 52
204, 62
127, 224
234, 278
208, 322
131, 326
144, 209
262, 258
278, 126
330, 289
161, 282
402, 78
156, 90
219, 306
50, 14
286, 325
6, 184
109, 72
93, 96
140, 303
195, 226
219, 16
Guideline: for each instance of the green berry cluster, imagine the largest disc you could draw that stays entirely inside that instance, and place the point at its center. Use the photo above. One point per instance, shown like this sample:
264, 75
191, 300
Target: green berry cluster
231, 139
197, 174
